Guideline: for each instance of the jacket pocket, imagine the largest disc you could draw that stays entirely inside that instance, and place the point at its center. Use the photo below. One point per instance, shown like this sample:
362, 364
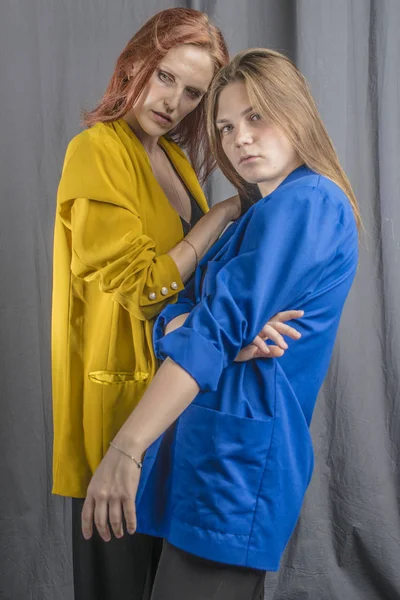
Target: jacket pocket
219, 463
117, 377
110, 398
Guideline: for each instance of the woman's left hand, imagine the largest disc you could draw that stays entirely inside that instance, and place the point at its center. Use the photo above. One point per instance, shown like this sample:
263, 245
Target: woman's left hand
273, 330
111, 497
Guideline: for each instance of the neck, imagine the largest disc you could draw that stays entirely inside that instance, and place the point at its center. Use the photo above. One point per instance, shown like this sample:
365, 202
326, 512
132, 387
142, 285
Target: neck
148, 142
270, 185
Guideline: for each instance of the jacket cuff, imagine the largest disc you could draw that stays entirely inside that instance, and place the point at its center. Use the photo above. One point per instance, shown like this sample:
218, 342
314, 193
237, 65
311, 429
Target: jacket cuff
198, 356
168, 314
167, 282
162, 285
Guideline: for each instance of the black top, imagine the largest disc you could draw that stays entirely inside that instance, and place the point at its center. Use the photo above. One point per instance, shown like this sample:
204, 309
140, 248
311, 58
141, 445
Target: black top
197, 213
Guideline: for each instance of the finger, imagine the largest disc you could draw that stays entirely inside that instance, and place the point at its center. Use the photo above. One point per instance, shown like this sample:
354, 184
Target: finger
286, 330
288, 315
87, 518
115, 516
262, 347
275, 352
130, 515
101, 519
246, 354
269, 332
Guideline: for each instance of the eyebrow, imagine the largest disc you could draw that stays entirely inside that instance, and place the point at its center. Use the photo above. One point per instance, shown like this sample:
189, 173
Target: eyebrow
242, 114
170, 72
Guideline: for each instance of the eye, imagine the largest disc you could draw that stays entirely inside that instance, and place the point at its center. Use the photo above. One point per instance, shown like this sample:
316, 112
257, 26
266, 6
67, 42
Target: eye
194, 94
255, 117
225, 129
164, 77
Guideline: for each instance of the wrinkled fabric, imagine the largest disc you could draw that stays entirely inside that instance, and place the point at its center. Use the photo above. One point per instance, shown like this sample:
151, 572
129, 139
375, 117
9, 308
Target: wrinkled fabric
112, 275
234, 468
57, 58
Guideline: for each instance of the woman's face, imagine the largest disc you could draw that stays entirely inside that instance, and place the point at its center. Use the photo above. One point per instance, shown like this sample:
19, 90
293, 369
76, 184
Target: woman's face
259, 151
175, 89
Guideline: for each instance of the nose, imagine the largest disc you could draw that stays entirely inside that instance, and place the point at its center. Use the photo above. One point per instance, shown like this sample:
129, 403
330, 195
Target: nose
172, 101
242, 135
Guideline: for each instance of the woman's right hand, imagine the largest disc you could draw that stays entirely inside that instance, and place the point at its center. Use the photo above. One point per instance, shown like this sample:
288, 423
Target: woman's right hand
273, 330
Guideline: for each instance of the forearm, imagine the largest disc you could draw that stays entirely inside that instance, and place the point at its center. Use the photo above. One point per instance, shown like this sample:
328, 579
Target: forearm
202, 237
170, 392
175, 323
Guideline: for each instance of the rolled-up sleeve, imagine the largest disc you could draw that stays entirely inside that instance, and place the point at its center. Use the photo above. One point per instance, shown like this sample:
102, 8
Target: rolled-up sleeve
288, 243
184, 304
97, 203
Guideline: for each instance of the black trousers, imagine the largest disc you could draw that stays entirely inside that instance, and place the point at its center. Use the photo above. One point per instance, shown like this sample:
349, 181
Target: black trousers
130, 568
122, 569
182, 576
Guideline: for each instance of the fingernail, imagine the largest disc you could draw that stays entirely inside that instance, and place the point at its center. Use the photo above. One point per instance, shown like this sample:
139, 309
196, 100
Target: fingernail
285, 345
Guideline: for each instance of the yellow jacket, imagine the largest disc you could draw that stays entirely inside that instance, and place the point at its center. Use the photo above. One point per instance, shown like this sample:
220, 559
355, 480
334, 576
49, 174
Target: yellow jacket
111, 277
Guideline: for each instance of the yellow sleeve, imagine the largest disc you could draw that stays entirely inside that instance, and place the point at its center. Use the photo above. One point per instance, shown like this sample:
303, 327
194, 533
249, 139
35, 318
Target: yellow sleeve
98, 203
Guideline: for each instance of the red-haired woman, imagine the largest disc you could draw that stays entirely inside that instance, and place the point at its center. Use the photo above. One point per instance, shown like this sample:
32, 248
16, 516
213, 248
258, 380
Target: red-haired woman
127, 197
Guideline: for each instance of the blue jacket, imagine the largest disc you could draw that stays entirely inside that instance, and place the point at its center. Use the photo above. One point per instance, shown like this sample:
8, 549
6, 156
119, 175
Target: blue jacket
226, 481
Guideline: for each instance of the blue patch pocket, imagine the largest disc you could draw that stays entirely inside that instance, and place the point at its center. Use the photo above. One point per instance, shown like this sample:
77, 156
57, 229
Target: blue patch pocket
218, 467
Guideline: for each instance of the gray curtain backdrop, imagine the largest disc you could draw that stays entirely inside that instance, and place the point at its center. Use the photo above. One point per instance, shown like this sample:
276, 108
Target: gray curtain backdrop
56, 57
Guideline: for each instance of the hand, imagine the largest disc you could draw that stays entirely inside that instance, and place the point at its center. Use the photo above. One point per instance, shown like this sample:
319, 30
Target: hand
111, 496
273, 330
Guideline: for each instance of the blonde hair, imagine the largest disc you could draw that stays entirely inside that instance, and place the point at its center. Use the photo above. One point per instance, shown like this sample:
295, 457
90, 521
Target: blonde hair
280, 93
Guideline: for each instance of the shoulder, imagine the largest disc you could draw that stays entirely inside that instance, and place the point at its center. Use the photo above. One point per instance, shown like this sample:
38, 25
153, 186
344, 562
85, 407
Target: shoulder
97, 139
98, 150
306, 198
335, 196
96, 163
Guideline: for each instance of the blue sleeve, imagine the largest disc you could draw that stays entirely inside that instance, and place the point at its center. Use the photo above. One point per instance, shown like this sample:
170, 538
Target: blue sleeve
288, 242
184, 304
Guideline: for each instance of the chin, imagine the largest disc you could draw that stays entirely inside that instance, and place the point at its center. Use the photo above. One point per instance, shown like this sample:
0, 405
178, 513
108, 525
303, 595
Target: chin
253, 174
268, 177
254, 180
149, 127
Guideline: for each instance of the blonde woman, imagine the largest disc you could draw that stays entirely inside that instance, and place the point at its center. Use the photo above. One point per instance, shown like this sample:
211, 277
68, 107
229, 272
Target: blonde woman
229, 455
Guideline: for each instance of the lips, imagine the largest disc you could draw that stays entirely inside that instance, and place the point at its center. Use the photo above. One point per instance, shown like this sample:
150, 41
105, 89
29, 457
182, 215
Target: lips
248, 158
162, 118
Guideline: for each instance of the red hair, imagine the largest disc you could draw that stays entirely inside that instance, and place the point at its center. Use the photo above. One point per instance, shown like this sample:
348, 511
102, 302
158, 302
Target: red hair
137, 62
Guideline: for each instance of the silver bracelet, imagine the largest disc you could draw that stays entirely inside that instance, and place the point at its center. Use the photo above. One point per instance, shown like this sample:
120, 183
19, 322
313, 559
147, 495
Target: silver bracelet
138, 463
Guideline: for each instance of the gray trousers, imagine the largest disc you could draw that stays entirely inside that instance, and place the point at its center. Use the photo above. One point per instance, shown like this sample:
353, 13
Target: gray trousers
182, 576
130, 568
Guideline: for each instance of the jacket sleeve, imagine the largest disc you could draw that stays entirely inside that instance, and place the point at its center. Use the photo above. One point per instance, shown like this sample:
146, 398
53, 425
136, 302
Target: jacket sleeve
288, 242
184, 304
98, 203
